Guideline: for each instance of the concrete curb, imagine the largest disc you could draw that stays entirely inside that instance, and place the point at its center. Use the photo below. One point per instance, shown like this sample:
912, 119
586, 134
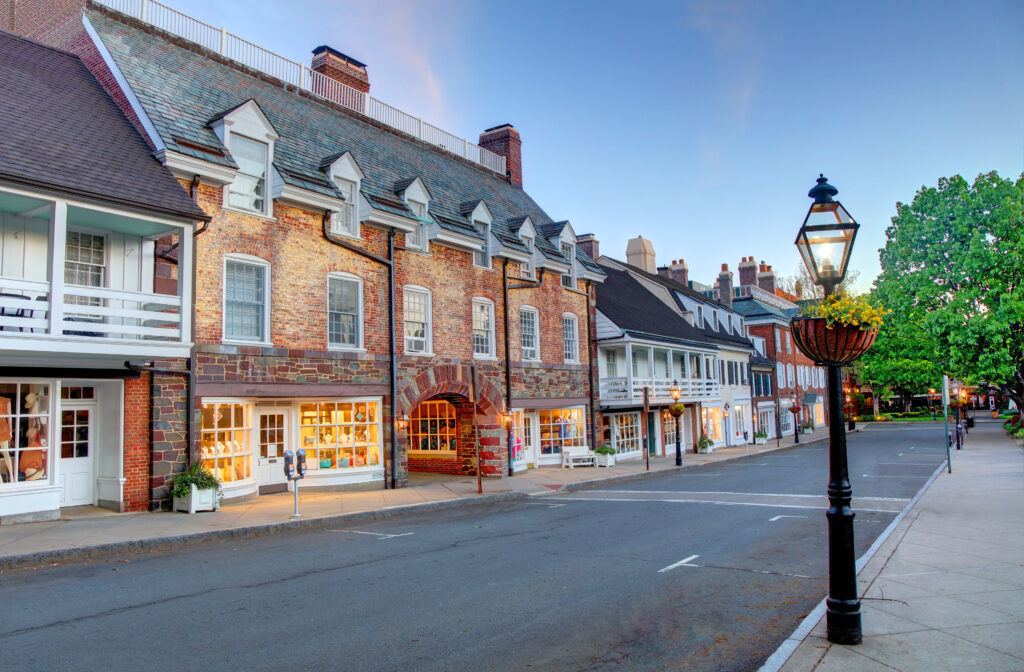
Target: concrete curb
104, 551
781, 655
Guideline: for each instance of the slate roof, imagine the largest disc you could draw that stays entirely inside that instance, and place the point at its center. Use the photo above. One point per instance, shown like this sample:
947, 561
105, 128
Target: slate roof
635, 310
59, 130
182, 89
668, 283
752, 308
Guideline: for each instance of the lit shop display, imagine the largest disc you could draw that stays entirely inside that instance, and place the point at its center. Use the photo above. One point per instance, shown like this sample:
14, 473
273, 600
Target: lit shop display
340, 434
561, 427
225, 443
24, 432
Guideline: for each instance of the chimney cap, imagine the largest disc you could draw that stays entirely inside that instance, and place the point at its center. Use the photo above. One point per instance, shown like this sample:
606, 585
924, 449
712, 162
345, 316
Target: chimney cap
498, 128
335, 52
725, 268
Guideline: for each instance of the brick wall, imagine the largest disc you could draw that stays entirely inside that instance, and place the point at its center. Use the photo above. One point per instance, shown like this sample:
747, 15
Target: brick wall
136, 443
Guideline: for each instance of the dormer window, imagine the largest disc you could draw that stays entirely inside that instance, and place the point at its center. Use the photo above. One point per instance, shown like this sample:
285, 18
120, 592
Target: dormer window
345, 222
249, 190
482, 257
416, 239
714, 319
700, 317
569, 279
526, 270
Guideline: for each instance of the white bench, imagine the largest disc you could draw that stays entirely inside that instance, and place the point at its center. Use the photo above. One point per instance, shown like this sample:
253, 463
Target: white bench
573, 455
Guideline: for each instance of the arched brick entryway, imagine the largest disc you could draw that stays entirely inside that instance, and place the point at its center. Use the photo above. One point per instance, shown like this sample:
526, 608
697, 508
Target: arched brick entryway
451, 383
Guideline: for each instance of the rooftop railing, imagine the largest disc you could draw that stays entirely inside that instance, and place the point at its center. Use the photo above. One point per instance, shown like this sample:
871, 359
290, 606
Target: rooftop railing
302, 76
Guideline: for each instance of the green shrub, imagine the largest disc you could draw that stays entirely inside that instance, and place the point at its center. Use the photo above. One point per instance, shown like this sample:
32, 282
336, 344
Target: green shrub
196, 475
605, 450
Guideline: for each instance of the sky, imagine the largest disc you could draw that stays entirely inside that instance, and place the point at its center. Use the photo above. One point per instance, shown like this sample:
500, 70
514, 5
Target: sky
698, 124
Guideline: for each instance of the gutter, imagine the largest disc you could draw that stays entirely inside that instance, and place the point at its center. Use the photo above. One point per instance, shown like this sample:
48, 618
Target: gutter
388, 261
508, 362
591, 354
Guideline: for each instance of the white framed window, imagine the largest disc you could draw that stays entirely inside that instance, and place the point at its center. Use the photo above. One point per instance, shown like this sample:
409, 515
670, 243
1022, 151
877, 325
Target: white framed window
622, 432
345, 221
729, 327
569, 252
778, 341
416, 314
226, 440
341, 434
85, 263
483, 328
741, 326
780, 376
789, 345
249, 190
570, 338
25, 456
790, 375
246, 299
344, 311
482, 257
529, 333
417, 238
433, 427
611, 364
526, 269
560, 427
714, 319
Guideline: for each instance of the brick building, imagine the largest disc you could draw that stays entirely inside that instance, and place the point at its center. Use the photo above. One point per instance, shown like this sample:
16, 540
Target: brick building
370, 288
82, 291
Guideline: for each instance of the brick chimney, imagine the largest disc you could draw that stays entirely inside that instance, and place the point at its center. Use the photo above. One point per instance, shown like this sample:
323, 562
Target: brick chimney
724, 285
589, 244
640, 253
677, 270
766, 277
342, 68
748, 271
505, 141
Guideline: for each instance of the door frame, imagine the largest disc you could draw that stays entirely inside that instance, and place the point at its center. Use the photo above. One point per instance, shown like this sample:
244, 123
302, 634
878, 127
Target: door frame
92, 407
288, 439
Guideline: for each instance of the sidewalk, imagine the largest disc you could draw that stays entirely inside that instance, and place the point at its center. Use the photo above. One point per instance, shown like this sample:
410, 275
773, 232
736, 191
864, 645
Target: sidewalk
89, 531
946, 590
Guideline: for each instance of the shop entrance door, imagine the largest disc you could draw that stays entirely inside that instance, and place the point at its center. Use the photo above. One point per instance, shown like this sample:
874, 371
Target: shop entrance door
76, 456
272, 439
524, 441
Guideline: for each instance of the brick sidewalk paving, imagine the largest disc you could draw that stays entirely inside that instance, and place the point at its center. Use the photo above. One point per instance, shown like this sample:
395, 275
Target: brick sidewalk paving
946, 590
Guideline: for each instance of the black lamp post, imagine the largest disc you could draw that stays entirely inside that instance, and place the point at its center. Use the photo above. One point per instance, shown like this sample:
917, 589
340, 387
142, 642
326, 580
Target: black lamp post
825, 241
794, 410
676, 412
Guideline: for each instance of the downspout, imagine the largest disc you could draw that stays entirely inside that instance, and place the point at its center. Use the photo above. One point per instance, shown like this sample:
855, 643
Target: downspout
591, 338
508, 363
392, 345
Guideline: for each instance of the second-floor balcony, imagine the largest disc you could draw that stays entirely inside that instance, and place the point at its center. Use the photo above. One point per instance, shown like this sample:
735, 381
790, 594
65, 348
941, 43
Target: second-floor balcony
626, 368
84, 280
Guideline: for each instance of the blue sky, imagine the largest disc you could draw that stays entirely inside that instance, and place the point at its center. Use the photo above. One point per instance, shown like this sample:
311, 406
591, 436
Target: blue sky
700, 125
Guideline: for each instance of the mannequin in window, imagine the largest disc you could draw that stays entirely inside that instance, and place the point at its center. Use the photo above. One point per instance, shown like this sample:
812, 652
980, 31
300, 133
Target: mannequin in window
32, 463
6, 463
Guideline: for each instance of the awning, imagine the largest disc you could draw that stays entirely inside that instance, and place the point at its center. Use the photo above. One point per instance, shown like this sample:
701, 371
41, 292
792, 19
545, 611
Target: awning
810, 398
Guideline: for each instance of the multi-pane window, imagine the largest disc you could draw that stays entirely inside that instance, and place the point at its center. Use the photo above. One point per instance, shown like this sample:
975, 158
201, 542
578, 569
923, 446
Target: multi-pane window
482, 257
714, 320
611, 361
789, 345
780, 376
529, 333
417, 320
345, 218
249, 189
433, 426
340, 434
245, 292
570, 338
700, 317
526, 269
24, 433
483, 328
766, 385
561, 427
622, 432
785, 420
85, 264
344, 323
226, 449
416, 239
695, 366
569, 279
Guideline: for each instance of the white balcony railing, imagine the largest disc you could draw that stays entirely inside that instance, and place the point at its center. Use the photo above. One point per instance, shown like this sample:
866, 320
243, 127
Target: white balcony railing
26, 308
302, 76
619, 389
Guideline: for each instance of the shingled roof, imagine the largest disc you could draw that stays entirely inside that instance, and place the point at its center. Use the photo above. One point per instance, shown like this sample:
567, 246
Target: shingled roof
61, 132
182, 89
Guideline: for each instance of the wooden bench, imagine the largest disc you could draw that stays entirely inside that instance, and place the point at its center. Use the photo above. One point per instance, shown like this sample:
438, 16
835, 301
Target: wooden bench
573, 455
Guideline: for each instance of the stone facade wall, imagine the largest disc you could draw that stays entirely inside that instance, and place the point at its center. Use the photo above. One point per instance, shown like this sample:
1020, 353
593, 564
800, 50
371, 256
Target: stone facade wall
170, 452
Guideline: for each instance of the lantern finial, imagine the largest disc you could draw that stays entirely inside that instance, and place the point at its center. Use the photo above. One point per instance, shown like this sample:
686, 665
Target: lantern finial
822, 192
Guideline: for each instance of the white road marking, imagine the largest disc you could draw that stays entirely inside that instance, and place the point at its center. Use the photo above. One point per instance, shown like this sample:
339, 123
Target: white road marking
685, 562
888, 476
746, 494
379, 535
772, 520
555, 506
710, 501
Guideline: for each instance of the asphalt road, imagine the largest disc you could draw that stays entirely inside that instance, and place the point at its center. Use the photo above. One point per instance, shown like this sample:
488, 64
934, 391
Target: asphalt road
707, 569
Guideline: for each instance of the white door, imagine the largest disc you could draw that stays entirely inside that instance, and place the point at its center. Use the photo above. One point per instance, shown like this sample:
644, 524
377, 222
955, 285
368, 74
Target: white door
271, 437
524, 440
76, 456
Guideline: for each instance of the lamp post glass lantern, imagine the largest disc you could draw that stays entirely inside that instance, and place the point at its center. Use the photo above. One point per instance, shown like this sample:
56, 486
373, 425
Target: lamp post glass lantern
825, 242
675, 392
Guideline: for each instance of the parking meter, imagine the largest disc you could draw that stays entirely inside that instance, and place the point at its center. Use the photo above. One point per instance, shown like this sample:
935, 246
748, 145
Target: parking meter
300, 462
289, 464
294, 471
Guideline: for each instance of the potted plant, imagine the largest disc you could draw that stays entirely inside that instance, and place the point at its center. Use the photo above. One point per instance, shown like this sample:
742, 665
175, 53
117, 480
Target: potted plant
605, 456
838, 330
705, 445
760, 437
195, 489
808, 428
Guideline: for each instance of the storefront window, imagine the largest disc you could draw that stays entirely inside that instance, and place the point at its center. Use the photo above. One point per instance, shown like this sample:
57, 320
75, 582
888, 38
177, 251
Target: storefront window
561, 427
712, 419
786, 420
668, 429
622, 432
24, 432
340, 434
433, 426
225, 445
819, 414
522, 436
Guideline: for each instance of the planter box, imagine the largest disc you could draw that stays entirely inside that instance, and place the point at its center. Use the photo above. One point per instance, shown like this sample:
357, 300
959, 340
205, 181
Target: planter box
604, 460
840, 345
760, 441
808, 430
198, 500
706, 451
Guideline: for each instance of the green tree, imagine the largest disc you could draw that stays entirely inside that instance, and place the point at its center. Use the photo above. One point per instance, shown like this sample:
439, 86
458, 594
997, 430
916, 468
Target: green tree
953, 273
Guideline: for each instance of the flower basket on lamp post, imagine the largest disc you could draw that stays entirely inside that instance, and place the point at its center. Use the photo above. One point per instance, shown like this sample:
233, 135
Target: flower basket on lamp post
835, 345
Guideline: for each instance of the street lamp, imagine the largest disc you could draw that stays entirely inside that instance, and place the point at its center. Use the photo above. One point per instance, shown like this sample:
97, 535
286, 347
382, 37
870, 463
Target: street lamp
794, 409
676, 410
825, 241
